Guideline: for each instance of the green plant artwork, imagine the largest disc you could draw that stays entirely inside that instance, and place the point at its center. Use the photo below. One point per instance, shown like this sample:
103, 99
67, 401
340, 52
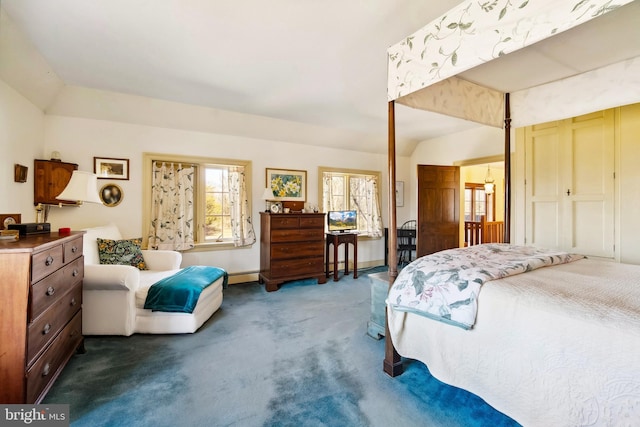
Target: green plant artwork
287, 185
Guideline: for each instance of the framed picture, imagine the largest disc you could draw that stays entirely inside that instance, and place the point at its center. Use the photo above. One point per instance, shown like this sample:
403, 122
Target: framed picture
111, 195
399, 193
287, 185
109, 168
20, 173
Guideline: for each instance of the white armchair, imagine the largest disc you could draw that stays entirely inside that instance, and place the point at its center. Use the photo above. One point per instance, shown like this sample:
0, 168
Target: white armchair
113, 295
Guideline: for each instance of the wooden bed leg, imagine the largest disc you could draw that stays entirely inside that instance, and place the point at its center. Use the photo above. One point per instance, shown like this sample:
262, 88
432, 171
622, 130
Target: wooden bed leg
392, 364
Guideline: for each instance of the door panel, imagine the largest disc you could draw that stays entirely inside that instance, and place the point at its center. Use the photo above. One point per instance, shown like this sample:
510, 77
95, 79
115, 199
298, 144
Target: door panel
438, 208
590, 185
543, 186
570, 184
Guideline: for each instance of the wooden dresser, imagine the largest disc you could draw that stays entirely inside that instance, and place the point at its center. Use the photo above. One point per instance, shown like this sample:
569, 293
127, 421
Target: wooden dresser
40, 315
291, 248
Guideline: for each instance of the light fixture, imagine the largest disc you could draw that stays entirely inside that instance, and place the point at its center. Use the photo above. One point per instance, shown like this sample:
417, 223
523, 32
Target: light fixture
488, 182
267, 195
82, 187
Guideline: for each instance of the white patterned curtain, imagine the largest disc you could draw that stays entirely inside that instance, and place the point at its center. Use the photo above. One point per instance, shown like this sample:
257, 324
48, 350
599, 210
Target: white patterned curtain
329, 201
364, 196
241, 225
172, 207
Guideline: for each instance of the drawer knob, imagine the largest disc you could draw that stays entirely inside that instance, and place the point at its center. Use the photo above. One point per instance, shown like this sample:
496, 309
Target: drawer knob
51, 290
46, 329
75, 273
73, 302
74, 249
46, 369
48, 261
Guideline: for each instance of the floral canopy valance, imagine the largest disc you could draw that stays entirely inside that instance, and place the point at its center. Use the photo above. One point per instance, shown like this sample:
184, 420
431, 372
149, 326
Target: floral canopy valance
423, 66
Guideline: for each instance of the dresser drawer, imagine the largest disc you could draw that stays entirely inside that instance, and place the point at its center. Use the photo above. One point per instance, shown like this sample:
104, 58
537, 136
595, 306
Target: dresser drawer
297, 266
50, 289
312, 222
297, 235
296, 250
285, 221
72, 249
49, 365
46, 262
46, 326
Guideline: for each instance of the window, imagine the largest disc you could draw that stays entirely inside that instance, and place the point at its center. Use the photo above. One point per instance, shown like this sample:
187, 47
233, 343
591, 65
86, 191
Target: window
477, 203
217, 215
343, 189
219, 206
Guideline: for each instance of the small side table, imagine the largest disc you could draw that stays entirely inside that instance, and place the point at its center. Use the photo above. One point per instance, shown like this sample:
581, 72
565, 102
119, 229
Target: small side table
337, 239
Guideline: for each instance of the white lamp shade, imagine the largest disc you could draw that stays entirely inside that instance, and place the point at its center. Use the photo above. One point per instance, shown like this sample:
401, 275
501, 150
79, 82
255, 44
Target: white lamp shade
268, 194
82, 187
488, 188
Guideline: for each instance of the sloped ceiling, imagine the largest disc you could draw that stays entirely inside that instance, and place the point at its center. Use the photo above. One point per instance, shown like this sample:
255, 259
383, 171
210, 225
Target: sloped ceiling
318, 64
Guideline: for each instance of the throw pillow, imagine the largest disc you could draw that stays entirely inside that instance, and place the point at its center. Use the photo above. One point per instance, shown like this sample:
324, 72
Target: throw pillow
122, 252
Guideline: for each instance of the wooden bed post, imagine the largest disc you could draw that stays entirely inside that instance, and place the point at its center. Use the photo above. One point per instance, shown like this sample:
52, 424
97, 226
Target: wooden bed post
392, 364
507, 169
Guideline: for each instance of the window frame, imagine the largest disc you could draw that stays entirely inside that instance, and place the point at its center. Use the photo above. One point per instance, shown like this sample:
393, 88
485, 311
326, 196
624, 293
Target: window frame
349, 172
201, 163
489, 201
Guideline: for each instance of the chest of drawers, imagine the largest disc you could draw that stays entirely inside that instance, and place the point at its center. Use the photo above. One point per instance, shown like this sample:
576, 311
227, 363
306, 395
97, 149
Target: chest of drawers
40, 318
291, 248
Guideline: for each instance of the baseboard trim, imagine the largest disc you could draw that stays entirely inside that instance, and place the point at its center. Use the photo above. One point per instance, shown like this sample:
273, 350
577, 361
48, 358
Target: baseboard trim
252, 276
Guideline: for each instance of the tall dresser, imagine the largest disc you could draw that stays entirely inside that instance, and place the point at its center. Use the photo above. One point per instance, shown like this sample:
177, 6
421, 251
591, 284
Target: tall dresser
291, 248
40, 315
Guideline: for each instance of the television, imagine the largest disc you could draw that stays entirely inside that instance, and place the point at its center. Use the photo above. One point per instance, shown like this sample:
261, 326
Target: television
341, 221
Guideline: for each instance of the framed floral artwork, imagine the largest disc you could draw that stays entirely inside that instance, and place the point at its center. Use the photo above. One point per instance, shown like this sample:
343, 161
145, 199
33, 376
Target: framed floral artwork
287, 185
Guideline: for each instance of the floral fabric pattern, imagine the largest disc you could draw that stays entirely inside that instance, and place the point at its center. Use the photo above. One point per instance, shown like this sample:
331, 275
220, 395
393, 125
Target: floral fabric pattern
445, 285
121, 252
172, 207
241, 225
475, 32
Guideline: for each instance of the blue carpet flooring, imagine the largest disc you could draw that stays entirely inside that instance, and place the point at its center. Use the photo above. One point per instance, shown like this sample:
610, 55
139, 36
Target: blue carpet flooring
296, 357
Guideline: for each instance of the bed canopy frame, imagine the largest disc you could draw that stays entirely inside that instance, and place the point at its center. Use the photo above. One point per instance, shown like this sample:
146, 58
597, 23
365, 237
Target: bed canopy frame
475, 63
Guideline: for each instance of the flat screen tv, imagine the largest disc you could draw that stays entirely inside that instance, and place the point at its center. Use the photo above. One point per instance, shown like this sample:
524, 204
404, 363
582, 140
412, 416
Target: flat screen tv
341, 221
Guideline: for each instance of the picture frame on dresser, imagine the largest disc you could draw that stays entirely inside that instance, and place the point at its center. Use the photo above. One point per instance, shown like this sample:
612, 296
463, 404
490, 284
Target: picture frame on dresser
287, 185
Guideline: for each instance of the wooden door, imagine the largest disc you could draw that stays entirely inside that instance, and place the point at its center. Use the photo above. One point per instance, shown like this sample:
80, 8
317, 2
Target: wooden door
438, 208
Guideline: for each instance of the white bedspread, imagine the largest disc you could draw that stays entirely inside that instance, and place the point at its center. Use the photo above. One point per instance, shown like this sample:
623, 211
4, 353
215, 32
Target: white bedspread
445, 285
558, 346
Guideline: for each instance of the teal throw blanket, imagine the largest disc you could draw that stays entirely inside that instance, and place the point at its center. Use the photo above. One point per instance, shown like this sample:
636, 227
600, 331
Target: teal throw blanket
179, 293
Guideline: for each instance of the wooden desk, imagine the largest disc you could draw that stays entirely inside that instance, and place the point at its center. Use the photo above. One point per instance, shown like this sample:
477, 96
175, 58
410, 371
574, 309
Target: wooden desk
337, 239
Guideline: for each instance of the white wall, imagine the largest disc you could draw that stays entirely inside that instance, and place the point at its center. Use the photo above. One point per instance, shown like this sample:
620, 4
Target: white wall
21, 137
80, 139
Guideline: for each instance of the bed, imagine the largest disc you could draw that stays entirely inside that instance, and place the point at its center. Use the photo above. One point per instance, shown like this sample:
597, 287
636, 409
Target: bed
556, 345
540, 350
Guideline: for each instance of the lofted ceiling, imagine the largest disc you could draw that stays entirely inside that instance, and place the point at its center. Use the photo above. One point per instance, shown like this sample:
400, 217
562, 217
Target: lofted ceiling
320, 63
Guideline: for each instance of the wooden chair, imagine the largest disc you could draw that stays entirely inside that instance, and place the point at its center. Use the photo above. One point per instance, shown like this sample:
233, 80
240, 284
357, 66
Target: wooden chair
406, 242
